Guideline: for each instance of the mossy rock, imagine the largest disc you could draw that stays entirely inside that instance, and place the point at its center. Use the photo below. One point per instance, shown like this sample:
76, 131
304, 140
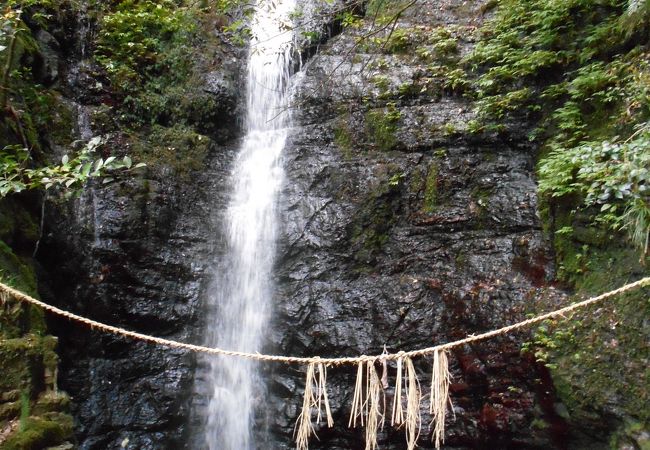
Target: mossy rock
25, 361
382, 125
17, 225
51, 402
40, 432
15, 271
632, 435
177, 148
17, 319
369, 231
9, 411
430, 188
599, 359
10, 396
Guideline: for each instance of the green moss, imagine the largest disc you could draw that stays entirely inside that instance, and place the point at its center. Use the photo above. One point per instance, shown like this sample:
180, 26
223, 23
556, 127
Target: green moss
370, 228
382, 126
481, 197
26, 360
16, 318
461, 260
602, 357
51, 402
53, 117
632, 435
178, 147
9, 411
21, 276
16, 223
431, 189
343, 137
599, 357
40, 433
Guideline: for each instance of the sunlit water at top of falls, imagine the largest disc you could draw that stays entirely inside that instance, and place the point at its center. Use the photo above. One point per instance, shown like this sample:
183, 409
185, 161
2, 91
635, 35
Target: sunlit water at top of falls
242, 289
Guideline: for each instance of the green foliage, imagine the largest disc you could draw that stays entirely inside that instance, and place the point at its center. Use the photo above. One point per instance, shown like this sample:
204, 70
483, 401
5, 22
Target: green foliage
399, 41
16, 176
381, 125
178, 148
578, 67
133, 39
24, 410
343, 135
611, 178
533, 39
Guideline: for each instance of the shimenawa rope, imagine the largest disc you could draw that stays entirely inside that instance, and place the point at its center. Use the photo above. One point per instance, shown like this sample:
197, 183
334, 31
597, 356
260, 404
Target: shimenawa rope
365, 401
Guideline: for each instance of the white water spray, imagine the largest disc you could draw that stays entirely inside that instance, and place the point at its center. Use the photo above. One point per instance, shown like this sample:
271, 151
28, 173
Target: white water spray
241, 294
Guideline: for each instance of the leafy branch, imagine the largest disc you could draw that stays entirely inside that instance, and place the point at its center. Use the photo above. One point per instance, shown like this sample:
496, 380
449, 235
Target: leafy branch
611, 178
72, 173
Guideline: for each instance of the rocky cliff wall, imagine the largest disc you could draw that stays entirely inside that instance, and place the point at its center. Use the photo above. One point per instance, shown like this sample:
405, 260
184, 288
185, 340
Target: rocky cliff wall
405, 228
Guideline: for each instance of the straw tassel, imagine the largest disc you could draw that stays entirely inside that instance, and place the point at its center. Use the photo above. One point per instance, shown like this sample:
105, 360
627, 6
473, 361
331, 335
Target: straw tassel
384, 367
322, 396
375, 404
4, 298
313, 399
411, 386
398, 412
413, 397
440, 379
357, 398
367, 402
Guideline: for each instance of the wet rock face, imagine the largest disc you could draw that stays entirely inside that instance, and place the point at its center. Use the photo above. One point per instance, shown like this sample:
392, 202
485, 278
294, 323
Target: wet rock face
401, 228
407, 236
133, 255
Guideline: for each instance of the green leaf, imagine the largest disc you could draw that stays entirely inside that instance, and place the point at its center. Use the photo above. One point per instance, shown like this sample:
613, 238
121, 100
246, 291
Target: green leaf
85, 171
94, 142
98, 165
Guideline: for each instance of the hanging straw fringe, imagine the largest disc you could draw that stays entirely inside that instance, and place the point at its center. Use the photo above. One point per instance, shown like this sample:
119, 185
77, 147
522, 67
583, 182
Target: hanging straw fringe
367, 409
410, 418
398, 412
322, 395
384, 367
357, 399
375, 404
317, 399
368, 405
440, 379
413, 397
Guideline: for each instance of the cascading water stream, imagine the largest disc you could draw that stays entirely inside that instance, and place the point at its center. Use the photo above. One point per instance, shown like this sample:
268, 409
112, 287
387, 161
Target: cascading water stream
242, 289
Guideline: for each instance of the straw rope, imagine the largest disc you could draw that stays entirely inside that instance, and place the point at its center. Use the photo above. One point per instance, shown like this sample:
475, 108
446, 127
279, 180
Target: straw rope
20, 296
366, 401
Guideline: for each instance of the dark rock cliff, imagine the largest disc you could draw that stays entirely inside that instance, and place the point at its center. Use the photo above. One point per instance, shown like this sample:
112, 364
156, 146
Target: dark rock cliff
401, 228
134, 253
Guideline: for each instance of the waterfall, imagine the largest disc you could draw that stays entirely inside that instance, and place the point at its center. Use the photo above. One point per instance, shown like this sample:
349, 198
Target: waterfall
242, 289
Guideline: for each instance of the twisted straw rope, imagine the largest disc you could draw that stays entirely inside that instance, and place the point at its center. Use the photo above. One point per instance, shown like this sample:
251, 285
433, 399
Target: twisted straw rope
308, 360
